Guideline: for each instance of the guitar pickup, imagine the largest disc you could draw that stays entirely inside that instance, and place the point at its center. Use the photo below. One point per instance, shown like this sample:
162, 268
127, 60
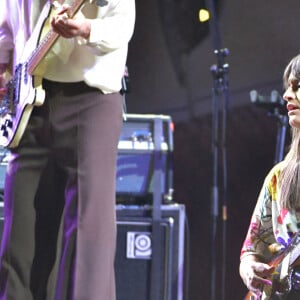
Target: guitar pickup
8, 123
4, 131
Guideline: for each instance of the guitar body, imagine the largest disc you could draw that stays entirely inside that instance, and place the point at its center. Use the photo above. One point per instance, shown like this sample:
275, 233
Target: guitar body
286, 275
24, 90
279, 290
18, 104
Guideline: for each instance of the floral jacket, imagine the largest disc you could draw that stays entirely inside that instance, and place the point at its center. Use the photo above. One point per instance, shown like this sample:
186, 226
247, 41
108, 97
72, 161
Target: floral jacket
269, 223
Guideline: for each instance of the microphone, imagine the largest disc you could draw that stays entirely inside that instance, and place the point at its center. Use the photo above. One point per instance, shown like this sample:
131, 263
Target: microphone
274, 101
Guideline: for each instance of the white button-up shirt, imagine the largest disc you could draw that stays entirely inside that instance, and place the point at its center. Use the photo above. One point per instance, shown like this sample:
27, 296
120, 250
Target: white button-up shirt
99, 61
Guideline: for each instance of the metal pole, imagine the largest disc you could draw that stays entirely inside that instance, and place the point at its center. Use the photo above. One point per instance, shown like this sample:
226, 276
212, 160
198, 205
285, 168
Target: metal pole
220, 90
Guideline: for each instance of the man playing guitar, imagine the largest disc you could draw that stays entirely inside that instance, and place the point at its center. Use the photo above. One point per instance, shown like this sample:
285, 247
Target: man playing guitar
61, 116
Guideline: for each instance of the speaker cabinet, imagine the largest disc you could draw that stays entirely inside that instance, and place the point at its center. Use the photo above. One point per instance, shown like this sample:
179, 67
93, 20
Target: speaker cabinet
134, 252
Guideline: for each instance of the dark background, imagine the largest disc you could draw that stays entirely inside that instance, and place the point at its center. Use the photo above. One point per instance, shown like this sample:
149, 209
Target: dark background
169, 63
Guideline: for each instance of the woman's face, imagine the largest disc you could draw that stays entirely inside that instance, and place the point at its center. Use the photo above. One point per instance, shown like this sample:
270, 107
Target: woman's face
292, 97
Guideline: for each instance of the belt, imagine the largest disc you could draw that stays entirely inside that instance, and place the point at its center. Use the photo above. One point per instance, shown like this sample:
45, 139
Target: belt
68, 88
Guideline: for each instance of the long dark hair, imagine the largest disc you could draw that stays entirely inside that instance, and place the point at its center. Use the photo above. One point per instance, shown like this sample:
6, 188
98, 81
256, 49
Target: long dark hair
289, 196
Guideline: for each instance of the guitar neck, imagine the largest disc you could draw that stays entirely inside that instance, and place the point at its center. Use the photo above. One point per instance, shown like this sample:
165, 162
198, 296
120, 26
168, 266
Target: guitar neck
39, 53
295, 253
49, 39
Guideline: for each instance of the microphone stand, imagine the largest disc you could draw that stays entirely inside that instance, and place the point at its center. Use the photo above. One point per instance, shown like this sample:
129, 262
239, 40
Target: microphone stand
219, 91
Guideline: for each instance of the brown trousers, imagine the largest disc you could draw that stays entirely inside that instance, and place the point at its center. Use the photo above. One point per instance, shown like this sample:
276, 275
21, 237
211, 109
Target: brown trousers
60, 232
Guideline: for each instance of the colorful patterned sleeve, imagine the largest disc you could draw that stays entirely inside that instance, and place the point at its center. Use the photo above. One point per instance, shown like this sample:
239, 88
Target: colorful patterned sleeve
260, 232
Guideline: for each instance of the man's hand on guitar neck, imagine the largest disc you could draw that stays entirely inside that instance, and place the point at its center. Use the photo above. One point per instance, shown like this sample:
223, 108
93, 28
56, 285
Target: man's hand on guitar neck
255, 274
69, 28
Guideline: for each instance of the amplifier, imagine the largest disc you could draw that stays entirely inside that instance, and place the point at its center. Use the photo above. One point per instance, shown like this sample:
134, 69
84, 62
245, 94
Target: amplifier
134, 252
143, 139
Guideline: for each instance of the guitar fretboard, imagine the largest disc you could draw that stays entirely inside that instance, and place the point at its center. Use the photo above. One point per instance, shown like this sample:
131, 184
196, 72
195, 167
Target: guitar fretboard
49, 39
44, 46
295, 251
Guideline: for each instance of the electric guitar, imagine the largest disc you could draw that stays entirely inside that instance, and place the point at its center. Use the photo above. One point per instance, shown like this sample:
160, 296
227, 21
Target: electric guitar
24, 90
286, 275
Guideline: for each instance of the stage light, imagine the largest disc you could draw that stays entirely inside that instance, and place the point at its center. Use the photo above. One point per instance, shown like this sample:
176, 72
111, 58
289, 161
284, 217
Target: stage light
203, 15
184, 25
